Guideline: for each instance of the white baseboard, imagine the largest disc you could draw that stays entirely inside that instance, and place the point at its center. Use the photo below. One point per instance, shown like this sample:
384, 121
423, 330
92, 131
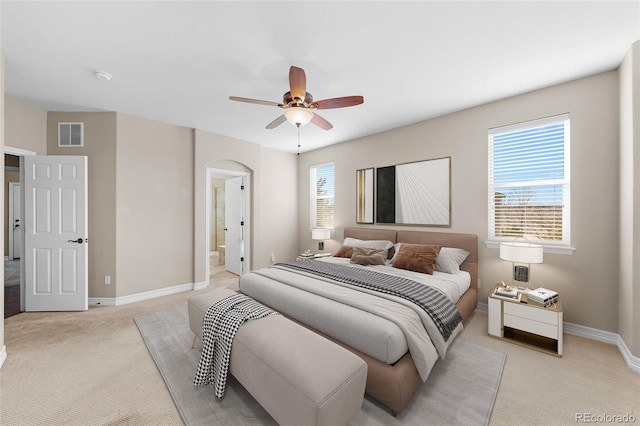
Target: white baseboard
633, 362
138, 297
201, 285
3, 355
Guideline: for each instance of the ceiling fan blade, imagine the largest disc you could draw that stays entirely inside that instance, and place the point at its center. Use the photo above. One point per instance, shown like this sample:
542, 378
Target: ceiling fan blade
321, 122
345, 101
275, 123
253, 101
297, 83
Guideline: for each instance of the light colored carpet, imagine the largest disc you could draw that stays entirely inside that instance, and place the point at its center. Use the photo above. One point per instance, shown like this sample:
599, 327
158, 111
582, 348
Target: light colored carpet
460, 391
93, 368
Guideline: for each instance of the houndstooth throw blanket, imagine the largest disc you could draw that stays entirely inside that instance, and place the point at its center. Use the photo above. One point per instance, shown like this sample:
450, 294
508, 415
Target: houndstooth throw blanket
442, 312
219, 327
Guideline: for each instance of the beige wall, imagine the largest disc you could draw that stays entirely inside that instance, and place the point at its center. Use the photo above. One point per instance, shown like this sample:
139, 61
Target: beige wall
586, 280
100, 148
145, 180
278, 212
154, 231
26, 126
273, 189
629, 291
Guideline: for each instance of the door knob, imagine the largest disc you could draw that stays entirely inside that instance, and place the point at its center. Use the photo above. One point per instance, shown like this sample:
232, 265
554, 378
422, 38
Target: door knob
79, 241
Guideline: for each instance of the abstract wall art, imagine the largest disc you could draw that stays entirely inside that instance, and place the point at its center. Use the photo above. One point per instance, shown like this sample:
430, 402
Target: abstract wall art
417, 193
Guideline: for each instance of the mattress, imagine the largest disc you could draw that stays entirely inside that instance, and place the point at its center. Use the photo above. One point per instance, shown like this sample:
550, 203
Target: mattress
377, 337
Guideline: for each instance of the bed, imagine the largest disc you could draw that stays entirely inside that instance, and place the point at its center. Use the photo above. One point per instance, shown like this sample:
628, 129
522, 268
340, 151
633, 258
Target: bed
399, 358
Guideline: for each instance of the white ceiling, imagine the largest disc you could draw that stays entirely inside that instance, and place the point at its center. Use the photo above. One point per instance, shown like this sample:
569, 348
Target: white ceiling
178, 62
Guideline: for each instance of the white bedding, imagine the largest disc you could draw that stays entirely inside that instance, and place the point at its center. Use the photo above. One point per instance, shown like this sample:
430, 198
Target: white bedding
451, 285
422, 338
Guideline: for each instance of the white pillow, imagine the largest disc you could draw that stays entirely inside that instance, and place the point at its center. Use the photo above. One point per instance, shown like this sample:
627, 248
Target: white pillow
449, 259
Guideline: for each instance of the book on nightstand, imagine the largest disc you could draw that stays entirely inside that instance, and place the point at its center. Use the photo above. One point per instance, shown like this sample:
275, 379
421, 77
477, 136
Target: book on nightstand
507, 294
306, 255
542, 297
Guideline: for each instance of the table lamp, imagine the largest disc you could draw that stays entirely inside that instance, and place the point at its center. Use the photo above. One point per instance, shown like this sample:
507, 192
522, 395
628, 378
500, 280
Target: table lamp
523, 253
320, 234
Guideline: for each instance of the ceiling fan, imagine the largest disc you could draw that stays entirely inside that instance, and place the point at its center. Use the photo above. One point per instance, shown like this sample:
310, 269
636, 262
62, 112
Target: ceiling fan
298, 104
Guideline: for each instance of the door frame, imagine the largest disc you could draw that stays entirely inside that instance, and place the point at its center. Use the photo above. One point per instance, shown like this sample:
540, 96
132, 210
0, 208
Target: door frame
11, 219
210, 173
19, 152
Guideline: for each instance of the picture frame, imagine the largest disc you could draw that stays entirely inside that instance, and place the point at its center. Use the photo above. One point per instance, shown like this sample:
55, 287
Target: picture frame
416, 193
365, 195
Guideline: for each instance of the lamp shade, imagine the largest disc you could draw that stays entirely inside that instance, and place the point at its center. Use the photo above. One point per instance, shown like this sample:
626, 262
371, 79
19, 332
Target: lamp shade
298, 116
521, 252
320, 234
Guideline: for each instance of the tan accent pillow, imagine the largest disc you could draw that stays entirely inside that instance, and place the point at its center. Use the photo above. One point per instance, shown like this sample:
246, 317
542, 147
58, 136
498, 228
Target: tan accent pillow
367, 256
374, 244
345, 251
417, 257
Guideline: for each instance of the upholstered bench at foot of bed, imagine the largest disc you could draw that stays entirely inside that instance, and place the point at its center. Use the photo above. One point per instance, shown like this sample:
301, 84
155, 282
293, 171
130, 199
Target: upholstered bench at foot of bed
299, 377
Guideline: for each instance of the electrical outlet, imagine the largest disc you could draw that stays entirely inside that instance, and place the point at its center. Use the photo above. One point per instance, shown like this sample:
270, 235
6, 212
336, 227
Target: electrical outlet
273, 257
107, 279
479, 284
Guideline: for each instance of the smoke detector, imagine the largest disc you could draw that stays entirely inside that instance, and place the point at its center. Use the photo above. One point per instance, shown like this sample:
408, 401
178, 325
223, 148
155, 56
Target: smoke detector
101, 75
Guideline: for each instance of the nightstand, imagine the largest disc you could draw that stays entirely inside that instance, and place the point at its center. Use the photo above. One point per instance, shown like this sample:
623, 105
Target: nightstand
528, 325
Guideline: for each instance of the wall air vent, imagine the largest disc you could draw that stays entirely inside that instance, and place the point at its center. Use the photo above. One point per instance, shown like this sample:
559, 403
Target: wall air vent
70, 134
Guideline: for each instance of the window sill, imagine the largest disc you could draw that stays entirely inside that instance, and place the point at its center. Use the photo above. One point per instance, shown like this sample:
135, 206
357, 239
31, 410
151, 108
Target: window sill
548, 249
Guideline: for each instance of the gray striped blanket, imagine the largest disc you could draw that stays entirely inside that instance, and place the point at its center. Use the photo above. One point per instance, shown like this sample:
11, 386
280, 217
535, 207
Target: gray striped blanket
437, 306
219, 327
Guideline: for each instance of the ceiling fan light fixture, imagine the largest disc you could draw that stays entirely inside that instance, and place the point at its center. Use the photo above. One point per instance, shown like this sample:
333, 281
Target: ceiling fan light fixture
298, 116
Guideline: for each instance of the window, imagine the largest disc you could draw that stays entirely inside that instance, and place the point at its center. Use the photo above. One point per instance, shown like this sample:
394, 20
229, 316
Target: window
322, 195
529, 182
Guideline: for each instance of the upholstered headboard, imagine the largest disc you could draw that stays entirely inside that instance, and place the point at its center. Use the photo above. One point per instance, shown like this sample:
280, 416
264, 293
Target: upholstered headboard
469, 242
371, 234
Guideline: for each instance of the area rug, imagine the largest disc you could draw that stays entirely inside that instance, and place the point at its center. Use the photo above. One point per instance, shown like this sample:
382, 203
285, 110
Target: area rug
461, 389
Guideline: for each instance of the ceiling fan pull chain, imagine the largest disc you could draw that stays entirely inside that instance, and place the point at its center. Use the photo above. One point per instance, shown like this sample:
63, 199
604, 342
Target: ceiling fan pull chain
298, 126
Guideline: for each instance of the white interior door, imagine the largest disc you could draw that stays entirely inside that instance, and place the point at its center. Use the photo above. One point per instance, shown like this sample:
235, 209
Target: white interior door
234, 224
15, 221
55, 233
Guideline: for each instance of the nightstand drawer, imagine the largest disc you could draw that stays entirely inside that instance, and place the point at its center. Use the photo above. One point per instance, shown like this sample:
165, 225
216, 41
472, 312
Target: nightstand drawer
531, 313
532, 326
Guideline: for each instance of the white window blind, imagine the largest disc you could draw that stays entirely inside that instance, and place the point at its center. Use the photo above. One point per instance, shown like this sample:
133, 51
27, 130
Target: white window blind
322, 195
529, 181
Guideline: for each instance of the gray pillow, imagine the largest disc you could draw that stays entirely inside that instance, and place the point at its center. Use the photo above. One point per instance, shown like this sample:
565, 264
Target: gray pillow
449, 259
